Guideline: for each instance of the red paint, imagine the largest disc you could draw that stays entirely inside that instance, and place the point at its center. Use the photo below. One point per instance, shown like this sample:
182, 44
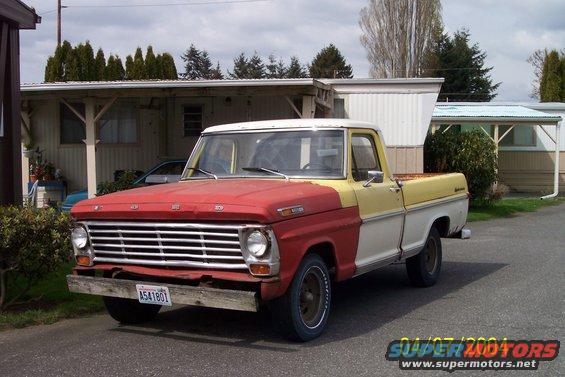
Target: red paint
177, 273
251, 200
243, 200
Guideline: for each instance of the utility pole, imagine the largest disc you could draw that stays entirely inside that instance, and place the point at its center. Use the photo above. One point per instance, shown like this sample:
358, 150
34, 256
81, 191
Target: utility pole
59, 23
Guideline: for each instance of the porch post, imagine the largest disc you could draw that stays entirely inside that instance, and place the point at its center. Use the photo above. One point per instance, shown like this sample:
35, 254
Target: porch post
556, 171
308, 106
26, 125
90, 141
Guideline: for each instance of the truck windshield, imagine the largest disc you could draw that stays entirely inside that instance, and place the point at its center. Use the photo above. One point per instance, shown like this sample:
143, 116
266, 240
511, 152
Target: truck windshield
279, 154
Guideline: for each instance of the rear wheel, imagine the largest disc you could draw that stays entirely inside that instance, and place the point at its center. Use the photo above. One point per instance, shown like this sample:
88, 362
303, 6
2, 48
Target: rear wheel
424, 269
303, 311
128, 311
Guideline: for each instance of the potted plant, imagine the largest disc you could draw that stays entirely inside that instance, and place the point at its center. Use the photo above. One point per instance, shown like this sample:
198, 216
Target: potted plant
28, 151
49, 171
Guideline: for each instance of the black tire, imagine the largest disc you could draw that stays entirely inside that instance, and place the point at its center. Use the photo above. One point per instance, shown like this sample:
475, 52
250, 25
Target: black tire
302, 313
129, 311
424, 269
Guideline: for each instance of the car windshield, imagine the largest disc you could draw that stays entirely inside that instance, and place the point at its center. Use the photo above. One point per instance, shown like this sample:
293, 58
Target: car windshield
279, 154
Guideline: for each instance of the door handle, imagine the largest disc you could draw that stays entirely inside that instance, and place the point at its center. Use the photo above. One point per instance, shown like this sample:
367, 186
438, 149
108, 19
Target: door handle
394, 189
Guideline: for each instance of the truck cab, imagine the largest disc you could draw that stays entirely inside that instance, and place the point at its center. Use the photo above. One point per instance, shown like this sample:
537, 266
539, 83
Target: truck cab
267, 212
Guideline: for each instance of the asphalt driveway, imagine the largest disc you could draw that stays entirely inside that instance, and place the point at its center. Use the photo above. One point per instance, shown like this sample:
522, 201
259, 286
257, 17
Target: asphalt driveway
507, 281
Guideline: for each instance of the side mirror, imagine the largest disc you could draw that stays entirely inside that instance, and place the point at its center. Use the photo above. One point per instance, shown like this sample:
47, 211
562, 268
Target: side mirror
375, 176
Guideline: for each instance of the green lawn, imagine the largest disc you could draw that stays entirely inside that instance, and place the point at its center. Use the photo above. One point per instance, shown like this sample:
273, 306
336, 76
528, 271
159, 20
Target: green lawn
509, 207
55, 303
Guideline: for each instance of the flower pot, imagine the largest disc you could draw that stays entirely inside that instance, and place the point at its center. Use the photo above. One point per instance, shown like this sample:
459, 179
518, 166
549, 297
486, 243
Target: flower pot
33, 178
28, 153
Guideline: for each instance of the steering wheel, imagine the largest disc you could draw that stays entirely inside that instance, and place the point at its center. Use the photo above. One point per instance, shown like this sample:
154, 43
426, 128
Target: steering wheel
319, 165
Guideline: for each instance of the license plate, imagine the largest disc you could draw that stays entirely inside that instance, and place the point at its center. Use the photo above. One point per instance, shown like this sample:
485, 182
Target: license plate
153, 294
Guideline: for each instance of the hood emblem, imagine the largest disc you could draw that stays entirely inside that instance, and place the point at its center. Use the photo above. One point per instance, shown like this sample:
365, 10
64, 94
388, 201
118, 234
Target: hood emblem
218, 208
97, 207
288, 211
175, 207
134, 207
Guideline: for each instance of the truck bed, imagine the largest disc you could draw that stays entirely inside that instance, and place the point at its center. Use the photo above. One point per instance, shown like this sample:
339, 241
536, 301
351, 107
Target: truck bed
424, 187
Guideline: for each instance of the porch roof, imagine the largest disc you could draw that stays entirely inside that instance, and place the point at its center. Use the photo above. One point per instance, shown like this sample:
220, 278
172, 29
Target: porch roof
160, 88
451, 113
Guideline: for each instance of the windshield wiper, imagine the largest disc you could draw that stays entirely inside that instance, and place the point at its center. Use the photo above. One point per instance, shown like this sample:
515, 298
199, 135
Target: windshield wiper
205, 172
270, 171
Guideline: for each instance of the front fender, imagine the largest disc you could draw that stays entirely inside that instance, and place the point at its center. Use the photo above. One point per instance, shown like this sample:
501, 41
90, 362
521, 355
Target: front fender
339, 228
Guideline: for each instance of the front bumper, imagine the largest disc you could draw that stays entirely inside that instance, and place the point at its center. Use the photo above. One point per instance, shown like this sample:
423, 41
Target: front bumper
180, 294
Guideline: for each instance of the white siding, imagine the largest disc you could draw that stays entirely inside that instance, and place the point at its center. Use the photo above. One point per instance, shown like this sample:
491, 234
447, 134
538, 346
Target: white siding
404, 118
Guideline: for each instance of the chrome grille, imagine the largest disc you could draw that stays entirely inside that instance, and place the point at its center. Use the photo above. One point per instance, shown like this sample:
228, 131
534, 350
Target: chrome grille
166, 244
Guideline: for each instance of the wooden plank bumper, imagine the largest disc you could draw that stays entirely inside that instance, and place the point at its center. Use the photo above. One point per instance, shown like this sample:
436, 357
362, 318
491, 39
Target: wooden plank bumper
180, 294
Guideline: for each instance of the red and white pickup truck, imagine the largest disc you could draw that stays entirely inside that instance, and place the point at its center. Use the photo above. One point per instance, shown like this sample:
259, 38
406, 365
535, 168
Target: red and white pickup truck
269, 213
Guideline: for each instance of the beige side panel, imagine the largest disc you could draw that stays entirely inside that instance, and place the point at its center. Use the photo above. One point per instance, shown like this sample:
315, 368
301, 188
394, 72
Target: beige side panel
404, 160
530, 171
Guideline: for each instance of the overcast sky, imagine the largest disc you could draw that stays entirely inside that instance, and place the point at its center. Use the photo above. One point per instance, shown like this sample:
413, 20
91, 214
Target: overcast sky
508, 30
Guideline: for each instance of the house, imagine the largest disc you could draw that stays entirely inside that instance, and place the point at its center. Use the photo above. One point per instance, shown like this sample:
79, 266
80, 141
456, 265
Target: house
525, 135
14, 15
91, 129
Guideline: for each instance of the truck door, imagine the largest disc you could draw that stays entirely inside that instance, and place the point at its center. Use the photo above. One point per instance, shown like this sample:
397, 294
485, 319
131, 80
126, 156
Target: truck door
380, 203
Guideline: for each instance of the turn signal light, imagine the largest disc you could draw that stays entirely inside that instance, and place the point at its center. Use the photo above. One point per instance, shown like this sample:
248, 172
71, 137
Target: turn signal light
260, 269
83, 260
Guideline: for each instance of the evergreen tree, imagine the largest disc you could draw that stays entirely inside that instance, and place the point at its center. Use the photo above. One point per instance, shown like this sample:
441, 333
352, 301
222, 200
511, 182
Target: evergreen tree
295, 69
169, 68
114, 69
151, 68
72, 68
275, 69
551, 78
256, 68
216, 73
191, 59
562, 62
50, 70
330, 63
462, 66
85, 56
138, 70
99, 65
240, 67
129, 67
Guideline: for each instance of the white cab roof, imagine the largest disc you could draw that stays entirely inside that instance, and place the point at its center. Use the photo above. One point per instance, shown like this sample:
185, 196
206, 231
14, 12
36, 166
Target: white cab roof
291, 123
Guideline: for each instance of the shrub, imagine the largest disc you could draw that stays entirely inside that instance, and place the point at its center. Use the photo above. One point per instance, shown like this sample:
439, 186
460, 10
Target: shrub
471, 153
125, 182
33, 243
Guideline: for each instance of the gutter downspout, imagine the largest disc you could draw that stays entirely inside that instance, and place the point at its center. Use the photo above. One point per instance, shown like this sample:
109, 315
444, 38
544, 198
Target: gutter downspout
556, 172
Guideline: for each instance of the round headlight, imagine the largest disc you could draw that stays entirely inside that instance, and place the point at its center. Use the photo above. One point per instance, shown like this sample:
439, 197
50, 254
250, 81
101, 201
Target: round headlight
79, 237
257, 243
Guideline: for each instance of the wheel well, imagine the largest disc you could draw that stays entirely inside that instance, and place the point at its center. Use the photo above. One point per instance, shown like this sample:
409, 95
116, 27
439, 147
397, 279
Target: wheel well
442, 225
326, 251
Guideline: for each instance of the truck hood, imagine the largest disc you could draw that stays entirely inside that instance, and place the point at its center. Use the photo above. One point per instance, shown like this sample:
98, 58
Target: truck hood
246, 199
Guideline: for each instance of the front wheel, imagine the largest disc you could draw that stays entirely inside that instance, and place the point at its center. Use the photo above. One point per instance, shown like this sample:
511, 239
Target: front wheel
423, 269
303, 311
129, 311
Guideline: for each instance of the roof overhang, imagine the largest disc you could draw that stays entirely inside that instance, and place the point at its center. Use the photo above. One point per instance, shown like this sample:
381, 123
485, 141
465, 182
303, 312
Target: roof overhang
15, 11
166, 88
449, 113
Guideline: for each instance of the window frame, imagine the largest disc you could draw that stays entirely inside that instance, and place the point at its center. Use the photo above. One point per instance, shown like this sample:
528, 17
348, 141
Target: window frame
375, 148
184, 121
137, 118
60, 128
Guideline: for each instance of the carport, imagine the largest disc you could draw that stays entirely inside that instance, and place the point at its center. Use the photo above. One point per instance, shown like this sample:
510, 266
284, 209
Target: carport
90, 101
495, 116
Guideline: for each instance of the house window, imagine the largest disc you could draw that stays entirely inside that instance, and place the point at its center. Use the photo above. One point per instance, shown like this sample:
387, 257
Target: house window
192, 119
72, 128
519, 136
119, 124
339, 108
